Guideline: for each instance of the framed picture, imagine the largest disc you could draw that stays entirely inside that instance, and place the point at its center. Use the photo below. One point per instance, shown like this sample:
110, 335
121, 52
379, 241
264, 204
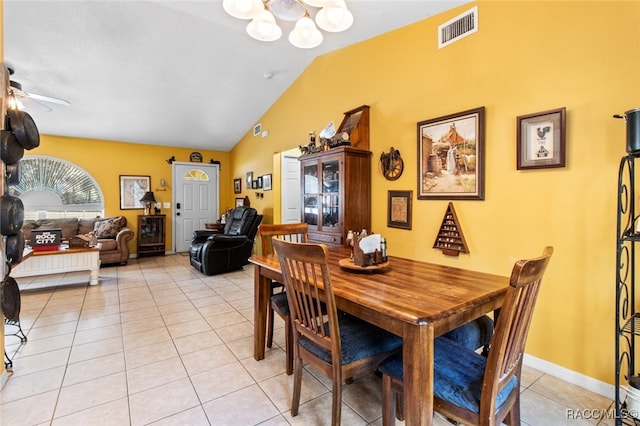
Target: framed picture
254, 184
239, 202
132, 189
399, 209
266, 182
259, 182
237, 186
541, 139
451, 156
249, 179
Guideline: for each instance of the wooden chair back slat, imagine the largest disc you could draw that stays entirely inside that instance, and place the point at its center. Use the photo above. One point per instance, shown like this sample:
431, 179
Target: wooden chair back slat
292, 232
306, 278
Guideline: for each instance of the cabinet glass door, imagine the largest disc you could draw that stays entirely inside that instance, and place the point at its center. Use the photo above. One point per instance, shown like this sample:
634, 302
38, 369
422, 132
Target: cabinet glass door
311, 194
310, 179
330, 210
330, 177
151, 231
331, 195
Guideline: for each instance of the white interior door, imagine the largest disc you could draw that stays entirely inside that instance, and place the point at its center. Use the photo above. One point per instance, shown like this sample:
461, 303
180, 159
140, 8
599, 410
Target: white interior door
195, 200
290, 187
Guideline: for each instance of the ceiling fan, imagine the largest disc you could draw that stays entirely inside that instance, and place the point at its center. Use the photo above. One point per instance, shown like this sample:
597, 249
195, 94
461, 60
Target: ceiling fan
31, 101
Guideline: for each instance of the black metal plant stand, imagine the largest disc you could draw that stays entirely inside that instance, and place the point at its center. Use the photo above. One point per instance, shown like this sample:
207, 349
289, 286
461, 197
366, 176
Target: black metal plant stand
10, 309
627, 315
17, 333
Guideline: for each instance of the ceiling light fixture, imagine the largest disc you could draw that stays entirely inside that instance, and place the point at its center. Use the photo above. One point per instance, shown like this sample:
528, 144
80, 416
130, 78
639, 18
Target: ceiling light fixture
333, 16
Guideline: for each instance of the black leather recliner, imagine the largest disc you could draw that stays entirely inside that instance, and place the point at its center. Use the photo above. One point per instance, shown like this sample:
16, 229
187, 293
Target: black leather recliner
214, 252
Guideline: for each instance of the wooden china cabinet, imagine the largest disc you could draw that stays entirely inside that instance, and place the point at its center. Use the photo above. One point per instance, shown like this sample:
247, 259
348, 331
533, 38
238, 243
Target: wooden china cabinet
336, 183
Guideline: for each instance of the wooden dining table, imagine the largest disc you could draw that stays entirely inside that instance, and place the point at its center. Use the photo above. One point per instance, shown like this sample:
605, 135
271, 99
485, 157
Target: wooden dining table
415, 300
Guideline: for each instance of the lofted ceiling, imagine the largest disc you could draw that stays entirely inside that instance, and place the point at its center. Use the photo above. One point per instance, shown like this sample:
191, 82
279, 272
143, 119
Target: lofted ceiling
175, 73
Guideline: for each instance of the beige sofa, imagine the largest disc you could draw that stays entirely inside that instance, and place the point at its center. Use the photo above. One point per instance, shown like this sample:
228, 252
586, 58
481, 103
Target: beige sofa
112, 233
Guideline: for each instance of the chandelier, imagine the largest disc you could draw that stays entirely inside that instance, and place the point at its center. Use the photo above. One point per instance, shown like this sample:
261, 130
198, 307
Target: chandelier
333, 16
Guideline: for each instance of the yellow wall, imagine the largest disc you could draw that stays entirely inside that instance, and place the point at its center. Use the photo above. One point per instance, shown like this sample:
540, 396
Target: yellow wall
526, 57
106, 161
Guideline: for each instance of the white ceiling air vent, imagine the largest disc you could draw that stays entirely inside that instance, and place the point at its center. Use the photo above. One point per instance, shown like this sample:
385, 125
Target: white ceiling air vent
458, 27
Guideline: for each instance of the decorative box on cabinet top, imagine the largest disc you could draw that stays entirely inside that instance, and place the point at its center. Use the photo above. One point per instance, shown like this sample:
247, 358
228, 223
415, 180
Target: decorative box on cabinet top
356, 124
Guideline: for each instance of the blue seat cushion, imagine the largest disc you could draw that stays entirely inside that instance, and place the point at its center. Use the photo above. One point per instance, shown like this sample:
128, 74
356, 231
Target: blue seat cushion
473, 335
280, 304
457, 374
358, 340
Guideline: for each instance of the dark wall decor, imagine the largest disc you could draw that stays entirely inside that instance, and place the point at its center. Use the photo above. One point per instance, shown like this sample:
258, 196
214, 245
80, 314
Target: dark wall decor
392, 164
399, 209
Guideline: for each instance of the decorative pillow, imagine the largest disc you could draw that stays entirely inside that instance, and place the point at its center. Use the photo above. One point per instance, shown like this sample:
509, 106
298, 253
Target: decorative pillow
109, 228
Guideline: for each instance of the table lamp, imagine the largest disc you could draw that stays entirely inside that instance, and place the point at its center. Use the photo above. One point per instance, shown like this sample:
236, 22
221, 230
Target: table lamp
148, 200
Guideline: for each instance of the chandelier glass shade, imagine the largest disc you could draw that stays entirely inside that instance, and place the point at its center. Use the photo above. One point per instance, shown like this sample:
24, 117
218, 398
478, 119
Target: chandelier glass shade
333, 16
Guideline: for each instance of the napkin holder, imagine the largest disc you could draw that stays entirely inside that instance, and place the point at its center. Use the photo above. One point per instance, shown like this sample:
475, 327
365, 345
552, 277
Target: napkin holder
361, 258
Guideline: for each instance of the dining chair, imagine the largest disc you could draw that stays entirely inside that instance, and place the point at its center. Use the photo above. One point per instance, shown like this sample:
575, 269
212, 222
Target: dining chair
475, 335
293, 232
468, 387
335, 343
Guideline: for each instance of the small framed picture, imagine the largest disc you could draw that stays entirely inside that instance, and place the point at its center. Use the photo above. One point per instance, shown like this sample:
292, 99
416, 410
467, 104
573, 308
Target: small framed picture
266, 182
249, 179
259, 181
541, 139
254, 184
237, 186
399, 209
132, 189
239, 202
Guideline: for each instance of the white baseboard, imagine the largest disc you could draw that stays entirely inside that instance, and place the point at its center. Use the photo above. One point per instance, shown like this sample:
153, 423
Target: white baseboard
578, 379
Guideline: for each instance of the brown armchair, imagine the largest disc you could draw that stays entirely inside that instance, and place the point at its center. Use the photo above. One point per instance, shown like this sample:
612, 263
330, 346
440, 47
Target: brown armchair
213, 252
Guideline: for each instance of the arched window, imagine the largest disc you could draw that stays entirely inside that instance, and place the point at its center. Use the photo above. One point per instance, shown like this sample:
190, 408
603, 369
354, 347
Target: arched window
196, 174
50, 188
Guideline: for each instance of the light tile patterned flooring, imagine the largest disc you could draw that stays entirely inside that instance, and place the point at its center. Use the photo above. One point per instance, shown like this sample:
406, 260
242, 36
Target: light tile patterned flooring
159, 343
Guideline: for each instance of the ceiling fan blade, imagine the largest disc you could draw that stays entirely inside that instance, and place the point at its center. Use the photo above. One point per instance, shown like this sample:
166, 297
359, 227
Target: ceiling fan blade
32, 105
16, 89
49, 99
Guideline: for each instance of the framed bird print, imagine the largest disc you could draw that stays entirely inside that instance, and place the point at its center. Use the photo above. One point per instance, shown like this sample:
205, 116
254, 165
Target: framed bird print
541, 139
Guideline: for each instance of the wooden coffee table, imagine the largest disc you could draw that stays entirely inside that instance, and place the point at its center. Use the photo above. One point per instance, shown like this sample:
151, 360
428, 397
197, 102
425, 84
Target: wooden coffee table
60, 261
